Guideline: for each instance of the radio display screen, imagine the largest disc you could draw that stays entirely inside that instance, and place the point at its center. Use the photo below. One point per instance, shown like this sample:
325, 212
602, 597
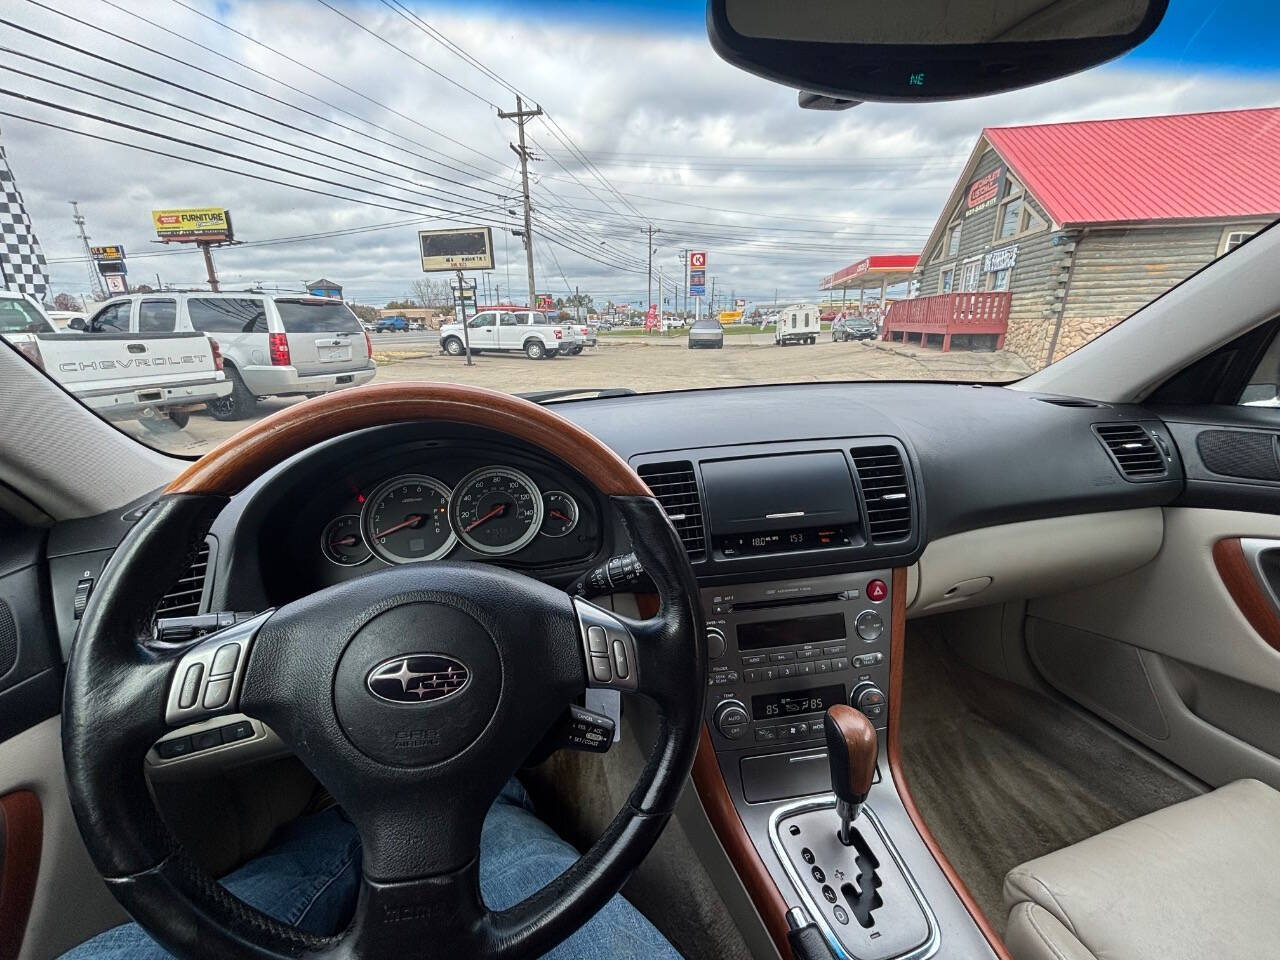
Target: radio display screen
792, 703
820, 628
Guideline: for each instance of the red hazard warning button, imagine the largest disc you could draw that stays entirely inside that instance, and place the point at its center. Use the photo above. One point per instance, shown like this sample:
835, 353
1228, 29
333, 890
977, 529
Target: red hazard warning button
877, 590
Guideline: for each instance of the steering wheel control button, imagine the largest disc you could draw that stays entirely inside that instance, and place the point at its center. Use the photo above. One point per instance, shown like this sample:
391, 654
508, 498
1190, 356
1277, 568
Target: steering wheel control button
191, 686
877, 590
234, 732
217, 693
172, 749
225, 660
869, 625
615, 665
600, 669
417, 684
621, 666
208, 676
206, 739
597, 642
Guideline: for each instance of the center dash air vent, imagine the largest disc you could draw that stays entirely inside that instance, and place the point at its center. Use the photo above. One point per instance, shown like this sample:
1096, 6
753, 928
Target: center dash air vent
1132, 449
183, 598
676, 487
885, 489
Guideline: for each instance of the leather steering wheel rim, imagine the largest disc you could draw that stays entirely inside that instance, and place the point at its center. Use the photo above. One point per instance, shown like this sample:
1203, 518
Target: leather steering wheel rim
419, 893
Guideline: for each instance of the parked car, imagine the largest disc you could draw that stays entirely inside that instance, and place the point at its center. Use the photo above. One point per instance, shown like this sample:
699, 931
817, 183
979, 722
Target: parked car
853, 327
529, 331
150, 377
706, 332
391, 325
271, 346
798, 323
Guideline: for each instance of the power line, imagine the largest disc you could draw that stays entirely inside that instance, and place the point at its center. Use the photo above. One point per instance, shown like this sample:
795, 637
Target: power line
234, 83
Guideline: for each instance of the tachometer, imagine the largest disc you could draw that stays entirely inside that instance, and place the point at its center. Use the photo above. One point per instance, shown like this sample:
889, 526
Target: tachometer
496, 510
407, 519
342, 543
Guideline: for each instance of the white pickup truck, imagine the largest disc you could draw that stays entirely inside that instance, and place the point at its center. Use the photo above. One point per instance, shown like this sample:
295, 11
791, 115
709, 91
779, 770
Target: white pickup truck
535, 333
121, 375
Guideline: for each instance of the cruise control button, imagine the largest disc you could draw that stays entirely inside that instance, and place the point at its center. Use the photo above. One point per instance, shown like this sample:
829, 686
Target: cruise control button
177, 747
241, 730
206, 739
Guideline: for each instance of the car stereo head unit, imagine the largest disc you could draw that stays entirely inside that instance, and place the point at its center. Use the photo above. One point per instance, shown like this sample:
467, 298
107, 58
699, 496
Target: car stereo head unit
782, 653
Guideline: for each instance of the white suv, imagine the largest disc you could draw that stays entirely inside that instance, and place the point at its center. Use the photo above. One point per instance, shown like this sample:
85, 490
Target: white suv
272, 346
535, 333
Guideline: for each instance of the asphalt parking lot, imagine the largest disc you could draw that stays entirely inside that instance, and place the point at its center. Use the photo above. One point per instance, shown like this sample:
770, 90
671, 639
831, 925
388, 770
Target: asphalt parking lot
646, 364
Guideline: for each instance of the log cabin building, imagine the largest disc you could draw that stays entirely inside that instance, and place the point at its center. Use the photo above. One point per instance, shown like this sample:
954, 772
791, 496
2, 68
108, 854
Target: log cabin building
1056, 232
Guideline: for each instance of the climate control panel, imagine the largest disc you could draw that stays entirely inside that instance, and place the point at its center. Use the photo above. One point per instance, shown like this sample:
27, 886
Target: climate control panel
780, 654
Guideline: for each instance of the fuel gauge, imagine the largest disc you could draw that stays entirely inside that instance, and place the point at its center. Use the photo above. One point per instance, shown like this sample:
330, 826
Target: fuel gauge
342, 542
559, 513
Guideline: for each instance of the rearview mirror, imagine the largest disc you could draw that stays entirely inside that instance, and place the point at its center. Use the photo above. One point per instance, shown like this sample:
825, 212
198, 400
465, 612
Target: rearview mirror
921, 50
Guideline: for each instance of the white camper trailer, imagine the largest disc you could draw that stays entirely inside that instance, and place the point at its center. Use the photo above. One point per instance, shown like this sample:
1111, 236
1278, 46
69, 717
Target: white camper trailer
798, 323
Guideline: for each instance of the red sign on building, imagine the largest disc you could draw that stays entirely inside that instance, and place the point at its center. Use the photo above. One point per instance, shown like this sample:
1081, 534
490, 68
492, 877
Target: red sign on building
983, 192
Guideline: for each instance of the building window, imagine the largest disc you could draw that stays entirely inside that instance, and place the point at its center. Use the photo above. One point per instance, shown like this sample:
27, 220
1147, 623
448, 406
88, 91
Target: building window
947, 279
1232, 237
953, 240
999, 280
1015, 216
970, 275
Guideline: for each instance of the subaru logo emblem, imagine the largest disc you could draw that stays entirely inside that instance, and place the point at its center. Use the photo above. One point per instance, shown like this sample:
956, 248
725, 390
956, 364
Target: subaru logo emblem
418, 678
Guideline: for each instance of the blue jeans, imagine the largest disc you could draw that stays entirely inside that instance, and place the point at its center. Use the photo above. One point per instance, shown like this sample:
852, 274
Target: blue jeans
311, 875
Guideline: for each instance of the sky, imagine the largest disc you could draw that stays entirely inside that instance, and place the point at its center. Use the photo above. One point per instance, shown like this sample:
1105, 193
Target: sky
386, 111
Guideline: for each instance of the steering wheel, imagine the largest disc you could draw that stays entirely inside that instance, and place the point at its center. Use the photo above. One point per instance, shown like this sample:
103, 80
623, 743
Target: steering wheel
412, 694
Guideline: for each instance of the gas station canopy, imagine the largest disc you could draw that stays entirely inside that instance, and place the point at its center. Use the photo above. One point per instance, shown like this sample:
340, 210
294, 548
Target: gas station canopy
878, 272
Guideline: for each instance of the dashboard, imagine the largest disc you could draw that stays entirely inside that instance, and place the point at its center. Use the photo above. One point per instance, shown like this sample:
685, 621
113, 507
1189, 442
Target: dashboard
372, 501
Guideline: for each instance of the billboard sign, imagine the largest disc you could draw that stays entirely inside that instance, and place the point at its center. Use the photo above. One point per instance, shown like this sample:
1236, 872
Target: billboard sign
697, 283
101, 254
465, 248
193, 223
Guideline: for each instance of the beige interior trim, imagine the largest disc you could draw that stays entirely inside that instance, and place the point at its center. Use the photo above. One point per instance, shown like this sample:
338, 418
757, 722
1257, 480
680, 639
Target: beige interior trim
71, 902
1031, 558
1178, 605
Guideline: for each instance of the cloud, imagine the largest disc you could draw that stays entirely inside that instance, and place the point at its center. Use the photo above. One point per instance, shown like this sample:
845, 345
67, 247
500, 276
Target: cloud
680, 136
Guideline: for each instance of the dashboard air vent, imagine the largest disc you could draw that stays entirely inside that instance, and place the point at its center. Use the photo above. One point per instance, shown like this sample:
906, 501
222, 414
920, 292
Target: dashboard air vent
1132, 449
676, 487
183, 598
1068, 402
885, 488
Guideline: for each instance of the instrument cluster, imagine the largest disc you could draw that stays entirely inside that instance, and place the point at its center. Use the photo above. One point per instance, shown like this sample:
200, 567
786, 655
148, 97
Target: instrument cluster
433, 501
493, 510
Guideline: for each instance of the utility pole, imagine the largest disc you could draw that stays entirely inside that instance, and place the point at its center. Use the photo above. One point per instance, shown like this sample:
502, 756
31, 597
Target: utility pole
208, 264
713, 297
577, 304
78, 220
519, 115
650, 231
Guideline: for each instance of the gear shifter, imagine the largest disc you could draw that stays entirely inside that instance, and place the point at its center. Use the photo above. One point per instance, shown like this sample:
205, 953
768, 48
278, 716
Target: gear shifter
851, 751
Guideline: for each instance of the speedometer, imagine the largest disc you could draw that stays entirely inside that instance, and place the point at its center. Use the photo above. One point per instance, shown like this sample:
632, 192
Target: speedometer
496, 510
407, 519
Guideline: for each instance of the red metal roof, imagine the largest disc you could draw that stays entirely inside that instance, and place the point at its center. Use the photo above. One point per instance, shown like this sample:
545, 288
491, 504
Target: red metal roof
1188, 166
876, 266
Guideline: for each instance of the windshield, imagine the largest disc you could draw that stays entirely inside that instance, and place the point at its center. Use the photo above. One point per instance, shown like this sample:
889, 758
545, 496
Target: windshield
366, 173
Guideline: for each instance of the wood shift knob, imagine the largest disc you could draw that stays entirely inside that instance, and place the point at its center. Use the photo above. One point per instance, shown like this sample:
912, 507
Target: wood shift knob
851, 751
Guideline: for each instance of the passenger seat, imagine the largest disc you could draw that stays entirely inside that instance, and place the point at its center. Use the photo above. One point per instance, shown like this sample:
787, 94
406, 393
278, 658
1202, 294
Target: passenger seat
1195, 880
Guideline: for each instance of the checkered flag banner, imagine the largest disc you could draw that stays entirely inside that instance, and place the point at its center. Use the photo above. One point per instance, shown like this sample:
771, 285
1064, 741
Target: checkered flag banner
22, 265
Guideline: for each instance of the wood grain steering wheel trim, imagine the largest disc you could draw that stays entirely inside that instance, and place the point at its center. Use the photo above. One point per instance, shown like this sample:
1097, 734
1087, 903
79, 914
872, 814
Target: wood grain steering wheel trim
242, 458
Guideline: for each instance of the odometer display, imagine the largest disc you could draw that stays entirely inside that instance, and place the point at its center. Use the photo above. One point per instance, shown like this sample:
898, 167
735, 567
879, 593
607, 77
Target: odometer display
496, 510
407, 519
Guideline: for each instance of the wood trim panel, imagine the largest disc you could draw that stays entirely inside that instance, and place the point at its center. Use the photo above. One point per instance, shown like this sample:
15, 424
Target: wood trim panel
22, 840
724, 818
897, 652
1249, 595
239, 460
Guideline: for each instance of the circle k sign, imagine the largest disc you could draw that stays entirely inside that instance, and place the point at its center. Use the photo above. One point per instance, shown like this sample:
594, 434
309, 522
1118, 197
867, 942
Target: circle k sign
697, 260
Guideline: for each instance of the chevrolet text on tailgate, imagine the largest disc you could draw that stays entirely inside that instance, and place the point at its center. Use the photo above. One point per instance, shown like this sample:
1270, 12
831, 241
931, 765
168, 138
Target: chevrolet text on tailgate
121, 375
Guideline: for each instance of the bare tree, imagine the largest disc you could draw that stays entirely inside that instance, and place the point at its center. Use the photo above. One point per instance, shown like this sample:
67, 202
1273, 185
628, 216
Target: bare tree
65, 301
431, 293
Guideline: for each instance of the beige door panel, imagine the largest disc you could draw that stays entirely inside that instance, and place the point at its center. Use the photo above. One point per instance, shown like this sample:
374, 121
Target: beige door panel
71, 902
1178, 605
